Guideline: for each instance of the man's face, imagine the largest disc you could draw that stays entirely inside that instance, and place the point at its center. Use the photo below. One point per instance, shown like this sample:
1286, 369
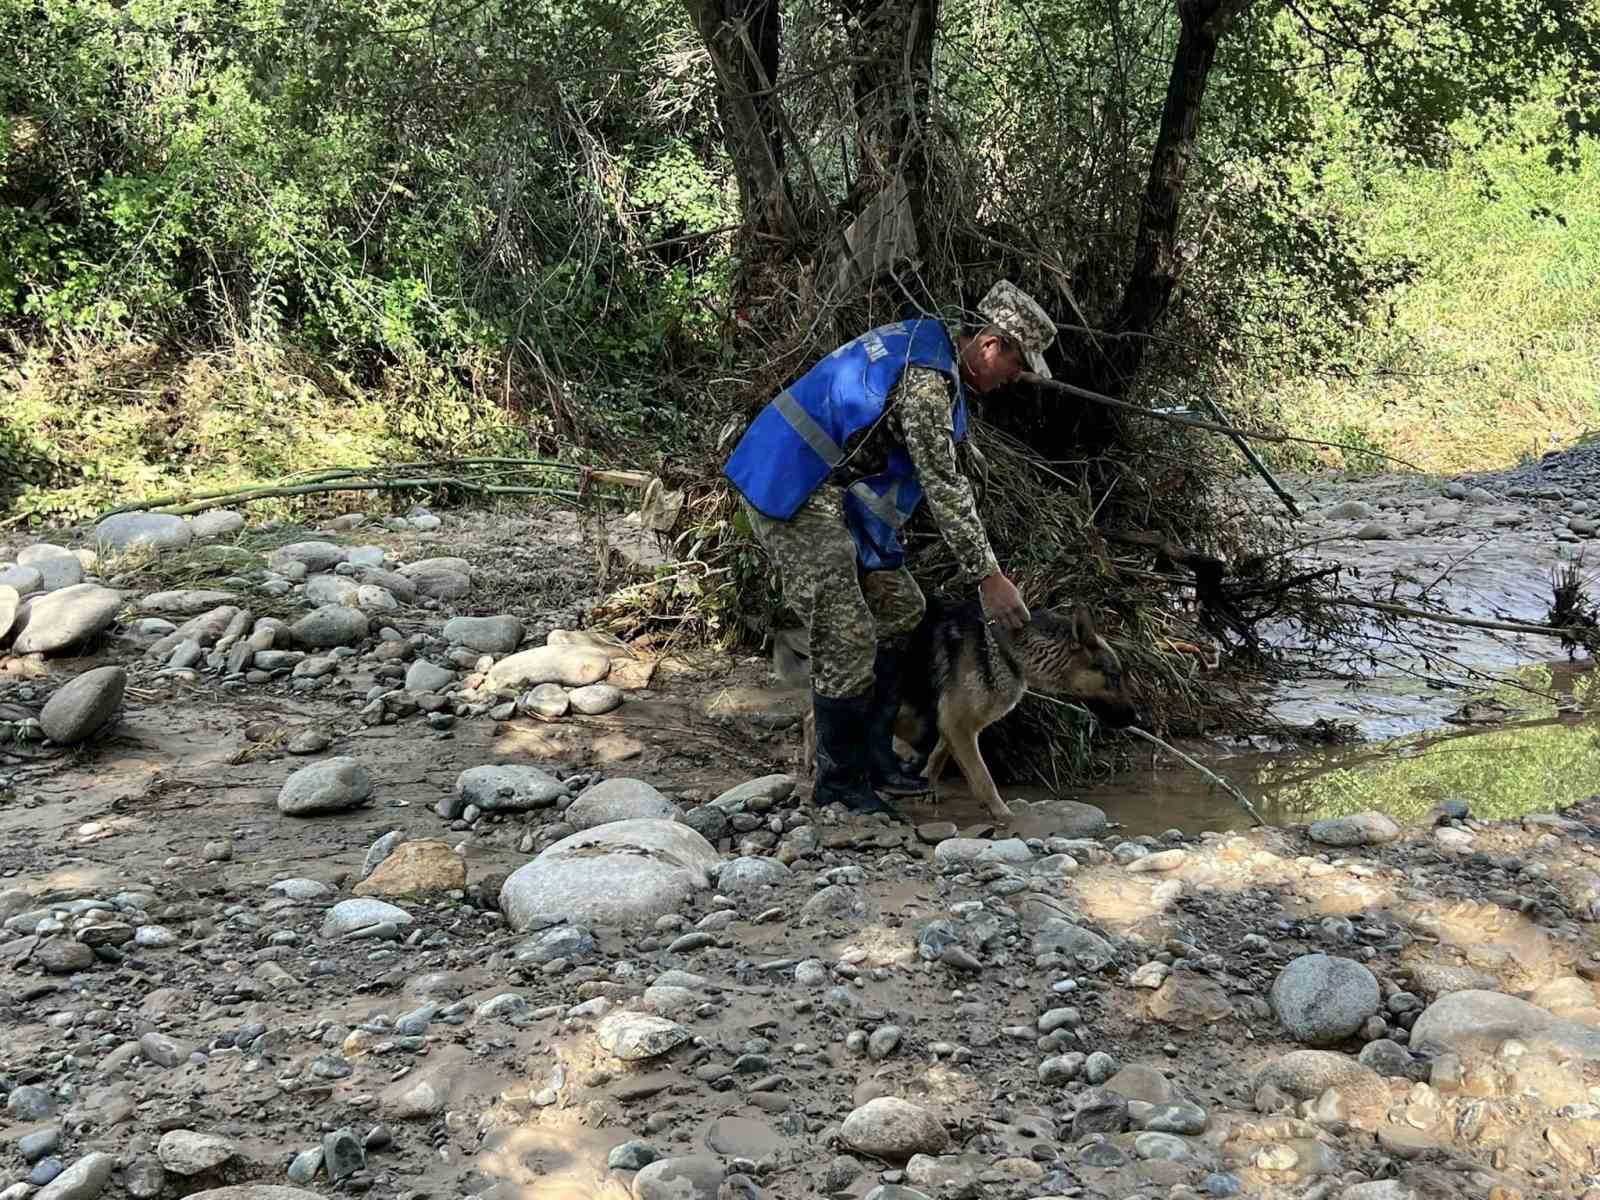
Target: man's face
992, 361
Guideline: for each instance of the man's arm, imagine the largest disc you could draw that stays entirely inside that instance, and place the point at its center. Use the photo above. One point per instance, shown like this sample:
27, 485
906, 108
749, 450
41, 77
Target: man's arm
921, 404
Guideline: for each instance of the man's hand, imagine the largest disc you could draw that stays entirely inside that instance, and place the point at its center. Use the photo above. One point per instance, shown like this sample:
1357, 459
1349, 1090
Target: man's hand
1002, 602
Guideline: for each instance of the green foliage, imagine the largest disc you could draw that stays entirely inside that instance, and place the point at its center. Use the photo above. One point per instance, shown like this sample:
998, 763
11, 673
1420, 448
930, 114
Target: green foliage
361, 179
137, 421
1490, 351
430, 205
494, 224
1538, 764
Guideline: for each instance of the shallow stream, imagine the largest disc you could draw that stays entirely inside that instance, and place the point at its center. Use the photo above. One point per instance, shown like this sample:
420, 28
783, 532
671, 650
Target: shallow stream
1484, 716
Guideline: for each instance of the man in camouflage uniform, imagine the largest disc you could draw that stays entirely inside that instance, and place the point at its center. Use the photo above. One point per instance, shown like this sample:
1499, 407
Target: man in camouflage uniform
859, 618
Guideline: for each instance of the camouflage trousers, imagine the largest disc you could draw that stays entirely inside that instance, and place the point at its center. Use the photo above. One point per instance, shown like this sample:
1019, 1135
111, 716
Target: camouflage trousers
846, 611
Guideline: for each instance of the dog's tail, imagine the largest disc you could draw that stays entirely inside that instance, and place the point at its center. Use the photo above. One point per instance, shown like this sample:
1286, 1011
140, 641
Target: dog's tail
791, 657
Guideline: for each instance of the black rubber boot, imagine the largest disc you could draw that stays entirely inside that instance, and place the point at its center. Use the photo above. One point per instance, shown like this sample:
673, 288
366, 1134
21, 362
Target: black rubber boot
890, 774
842, 771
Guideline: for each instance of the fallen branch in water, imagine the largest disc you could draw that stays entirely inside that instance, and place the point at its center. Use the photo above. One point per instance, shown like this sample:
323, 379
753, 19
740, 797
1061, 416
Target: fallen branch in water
1422, 614
1244, 801
1210, 572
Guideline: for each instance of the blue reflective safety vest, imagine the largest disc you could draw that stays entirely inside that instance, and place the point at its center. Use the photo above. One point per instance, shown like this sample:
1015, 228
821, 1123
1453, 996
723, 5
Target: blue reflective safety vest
798, 439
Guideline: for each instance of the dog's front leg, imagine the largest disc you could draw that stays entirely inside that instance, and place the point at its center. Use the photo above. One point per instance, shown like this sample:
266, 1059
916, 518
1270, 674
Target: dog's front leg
935, 768
964, 745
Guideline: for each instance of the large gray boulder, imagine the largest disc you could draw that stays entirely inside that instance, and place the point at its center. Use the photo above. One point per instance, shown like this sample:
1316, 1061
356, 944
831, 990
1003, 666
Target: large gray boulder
204, 629
1082, 946
1482, 1020
752, 875
959, 854
1358, 829
331, 589
329, 626
32, 556
186, 602
570, 666
217, 523
508, 787
441, 584
1074, 819
10, 602
353, 916
24, 579
1321, 999
893, 1129
313, 556
187, 1152
424, 676
159, 531
424, 566
332, 785
58, 571
773, 788
396, 584
487, 635
635, 1036
620, 800
1306, 1074
57, 620
627, 873
80, 708
83, 1180
690, 1177
595, 700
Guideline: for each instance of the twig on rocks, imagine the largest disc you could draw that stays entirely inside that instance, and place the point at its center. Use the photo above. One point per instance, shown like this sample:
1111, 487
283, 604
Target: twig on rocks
462, 472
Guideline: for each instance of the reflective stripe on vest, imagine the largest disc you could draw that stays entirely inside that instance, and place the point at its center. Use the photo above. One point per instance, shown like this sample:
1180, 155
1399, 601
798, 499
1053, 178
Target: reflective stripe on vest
815, 435
885, 507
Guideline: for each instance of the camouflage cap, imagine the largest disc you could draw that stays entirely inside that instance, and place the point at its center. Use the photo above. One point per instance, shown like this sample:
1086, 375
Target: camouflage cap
1018, 315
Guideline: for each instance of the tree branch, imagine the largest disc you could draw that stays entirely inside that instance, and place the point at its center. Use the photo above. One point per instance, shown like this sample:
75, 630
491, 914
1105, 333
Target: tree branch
1157, 260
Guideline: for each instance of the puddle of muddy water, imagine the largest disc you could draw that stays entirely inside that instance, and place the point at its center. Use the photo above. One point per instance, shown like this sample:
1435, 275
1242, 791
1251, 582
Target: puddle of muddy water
1504, 772
1543, 758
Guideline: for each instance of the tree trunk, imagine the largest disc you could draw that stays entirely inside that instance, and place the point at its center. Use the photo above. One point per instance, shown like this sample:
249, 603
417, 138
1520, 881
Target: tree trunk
893, 40
1157, 260
744, 39
893, 95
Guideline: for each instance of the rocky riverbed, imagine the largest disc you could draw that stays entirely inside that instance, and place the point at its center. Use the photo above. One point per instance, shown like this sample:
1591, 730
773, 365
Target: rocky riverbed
362, 869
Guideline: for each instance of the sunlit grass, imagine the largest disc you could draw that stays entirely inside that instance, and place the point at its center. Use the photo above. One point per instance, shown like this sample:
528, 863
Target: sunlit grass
1492, 353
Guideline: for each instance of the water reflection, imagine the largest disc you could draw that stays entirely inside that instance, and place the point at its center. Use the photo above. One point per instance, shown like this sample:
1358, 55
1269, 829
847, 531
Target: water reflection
1533, 767
1546, 757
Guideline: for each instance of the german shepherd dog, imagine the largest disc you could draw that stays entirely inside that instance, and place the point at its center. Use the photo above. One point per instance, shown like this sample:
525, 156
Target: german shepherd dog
963, 674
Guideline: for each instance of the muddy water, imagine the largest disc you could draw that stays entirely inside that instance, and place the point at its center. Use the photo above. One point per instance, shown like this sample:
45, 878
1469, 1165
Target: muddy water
1479, 559
1534, 766
1538, 749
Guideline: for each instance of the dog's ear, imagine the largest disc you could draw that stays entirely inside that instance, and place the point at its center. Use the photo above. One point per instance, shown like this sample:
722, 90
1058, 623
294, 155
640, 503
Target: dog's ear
1087, 636
1083, 630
